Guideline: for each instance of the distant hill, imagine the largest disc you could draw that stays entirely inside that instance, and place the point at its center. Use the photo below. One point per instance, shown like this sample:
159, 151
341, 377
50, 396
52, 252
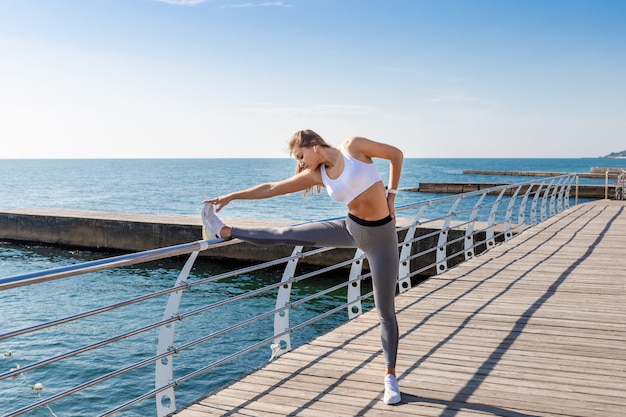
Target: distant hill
621, 154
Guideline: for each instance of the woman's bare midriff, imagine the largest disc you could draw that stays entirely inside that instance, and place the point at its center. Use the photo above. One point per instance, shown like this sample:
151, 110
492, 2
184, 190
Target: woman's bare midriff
371, 204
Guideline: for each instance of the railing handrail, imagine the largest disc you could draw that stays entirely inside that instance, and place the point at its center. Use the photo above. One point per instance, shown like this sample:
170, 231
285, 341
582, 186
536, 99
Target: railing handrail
548, 196
469, 194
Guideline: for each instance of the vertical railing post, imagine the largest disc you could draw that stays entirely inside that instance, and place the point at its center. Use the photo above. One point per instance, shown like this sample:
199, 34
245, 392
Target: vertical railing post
533, 206
508, 233
490, 236
282, 342
559, 196
355, 308
553, 197
521, 214
404, 270
563, 195
164, 372
469, 231
568, 192
577, 188
544, 202
442, 244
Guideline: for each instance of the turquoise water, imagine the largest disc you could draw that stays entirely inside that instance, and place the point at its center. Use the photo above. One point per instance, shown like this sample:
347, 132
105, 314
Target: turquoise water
169, 187
178, 186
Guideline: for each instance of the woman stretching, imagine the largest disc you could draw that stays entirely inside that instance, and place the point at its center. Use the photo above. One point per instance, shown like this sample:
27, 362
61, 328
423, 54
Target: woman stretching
349, 176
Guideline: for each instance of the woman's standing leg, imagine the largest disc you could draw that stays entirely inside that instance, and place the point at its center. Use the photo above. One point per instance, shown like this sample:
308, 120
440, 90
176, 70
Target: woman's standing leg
380, 244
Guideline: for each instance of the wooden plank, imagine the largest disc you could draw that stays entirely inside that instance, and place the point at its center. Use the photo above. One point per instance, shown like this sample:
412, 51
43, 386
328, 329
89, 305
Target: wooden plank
534, 327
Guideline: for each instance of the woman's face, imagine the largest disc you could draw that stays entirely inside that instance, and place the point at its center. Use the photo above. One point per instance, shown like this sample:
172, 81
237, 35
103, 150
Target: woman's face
306, 157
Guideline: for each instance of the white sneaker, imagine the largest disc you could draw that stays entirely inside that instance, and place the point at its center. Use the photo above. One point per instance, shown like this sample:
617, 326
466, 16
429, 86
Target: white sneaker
212, 225
392, 392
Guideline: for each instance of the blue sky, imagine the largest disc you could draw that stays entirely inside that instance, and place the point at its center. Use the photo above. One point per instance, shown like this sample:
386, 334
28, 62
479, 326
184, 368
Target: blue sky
235, 78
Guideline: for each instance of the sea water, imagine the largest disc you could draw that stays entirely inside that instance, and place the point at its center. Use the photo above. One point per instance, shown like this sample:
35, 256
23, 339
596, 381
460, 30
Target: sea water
173, 187
178, 186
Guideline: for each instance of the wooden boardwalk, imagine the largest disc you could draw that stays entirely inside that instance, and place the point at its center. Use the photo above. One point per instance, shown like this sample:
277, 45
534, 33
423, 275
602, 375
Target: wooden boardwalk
535, 327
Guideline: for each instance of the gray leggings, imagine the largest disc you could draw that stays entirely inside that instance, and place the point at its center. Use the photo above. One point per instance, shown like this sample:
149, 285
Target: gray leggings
379, 242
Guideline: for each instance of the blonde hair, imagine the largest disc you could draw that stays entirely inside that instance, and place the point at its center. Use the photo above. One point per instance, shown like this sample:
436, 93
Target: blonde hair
306, 139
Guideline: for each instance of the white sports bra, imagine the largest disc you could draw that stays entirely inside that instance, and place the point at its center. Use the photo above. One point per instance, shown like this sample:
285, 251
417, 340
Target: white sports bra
356, 177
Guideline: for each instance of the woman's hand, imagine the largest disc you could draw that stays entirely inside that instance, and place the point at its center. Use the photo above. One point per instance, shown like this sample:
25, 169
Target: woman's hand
392, 206
219, 201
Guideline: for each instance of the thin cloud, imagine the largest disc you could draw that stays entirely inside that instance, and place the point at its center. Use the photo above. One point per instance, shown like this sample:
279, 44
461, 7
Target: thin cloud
250, 4
227, 6
313, 110
452, 99
183, 2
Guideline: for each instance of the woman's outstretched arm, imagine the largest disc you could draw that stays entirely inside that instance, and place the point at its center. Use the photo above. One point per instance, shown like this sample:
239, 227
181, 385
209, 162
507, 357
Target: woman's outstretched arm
301, 181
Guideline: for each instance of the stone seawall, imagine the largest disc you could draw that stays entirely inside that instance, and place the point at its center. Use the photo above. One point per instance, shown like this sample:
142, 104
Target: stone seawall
584, 191
121, 232
594, 173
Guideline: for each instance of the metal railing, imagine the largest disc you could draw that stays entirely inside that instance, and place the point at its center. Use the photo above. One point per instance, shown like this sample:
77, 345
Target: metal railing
620, 183
434, 235
615, 192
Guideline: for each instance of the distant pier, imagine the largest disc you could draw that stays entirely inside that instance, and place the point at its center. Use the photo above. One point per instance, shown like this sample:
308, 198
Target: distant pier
584, 191
594, 173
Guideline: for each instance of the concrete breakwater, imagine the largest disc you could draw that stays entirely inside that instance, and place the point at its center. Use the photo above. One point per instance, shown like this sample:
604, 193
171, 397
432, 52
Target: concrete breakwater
116, 232
594, 173
121, 232
584, 191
